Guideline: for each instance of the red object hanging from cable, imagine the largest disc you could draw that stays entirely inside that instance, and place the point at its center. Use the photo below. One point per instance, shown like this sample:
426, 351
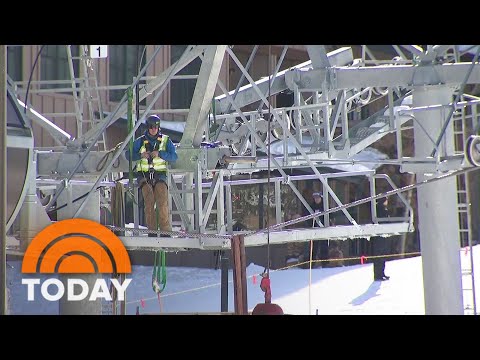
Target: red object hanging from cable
267, 308
265, 286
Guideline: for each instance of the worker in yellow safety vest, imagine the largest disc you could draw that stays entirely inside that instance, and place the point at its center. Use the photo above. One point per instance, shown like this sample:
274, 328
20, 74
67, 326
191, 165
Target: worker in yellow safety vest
153, 151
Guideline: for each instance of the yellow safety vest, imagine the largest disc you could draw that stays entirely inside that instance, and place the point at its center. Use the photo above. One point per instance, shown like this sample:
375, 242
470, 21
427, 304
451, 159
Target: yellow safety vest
158, 164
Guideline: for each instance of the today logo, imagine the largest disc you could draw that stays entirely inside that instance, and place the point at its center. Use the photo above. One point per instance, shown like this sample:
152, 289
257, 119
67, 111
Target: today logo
75, 246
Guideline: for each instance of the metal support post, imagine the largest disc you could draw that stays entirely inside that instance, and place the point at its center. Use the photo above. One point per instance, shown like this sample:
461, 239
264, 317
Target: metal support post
437, 210
91, 211
224, 261
3, 178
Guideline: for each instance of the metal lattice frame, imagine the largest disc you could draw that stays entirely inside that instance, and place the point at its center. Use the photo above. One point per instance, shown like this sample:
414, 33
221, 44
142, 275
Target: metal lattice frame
317, 131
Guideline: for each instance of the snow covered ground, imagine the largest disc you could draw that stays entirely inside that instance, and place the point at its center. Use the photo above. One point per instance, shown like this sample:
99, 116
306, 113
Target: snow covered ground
336, 291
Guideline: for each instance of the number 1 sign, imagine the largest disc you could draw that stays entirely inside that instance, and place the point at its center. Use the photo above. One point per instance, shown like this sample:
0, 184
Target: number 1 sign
98, 51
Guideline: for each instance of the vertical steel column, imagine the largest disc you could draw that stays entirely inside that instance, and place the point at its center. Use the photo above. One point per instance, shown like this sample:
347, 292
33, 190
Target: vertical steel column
228, 197
3, 179
253, 144
136, 210
187, 187
327, 137
437, 209
278, 202
286, 121
198, 205
220, 205
297, 101
326, 205
261, 207
33, 217
224, 262
344, 115
90, 211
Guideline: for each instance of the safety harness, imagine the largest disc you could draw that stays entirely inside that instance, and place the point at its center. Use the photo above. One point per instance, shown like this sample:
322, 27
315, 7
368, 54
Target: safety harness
148, 167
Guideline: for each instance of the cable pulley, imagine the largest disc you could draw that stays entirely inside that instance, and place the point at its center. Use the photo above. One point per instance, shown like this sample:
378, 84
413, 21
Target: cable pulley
473, 150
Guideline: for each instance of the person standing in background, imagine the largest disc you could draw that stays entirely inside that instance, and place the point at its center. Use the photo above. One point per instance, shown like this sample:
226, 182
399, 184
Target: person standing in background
380, 245
320, 247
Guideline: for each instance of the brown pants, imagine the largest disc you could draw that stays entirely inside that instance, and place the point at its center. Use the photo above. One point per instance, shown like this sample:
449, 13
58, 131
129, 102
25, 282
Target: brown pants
158, 196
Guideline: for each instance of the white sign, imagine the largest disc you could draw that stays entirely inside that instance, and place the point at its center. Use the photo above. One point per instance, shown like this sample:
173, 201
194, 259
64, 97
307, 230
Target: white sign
98, 51
100, 289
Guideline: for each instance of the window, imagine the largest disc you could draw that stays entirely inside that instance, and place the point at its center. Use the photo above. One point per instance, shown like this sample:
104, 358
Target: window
54, 65
15, 62
124, 65
181, 90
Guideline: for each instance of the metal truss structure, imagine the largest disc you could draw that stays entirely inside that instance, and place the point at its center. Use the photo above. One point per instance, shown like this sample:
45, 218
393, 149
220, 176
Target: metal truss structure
423, 90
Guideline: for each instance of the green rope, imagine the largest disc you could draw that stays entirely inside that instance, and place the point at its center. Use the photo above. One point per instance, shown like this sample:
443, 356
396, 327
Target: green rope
129, 128
159, 275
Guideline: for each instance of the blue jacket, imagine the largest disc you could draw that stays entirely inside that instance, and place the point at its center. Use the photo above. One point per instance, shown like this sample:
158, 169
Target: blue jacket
169, 155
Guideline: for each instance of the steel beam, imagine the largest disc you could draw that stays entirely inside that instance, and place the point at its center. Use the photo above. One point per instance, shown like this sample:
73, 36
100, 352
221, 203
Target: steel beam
381, 76
58, 134
63, 163
318, 55
202, 96
206, 241
414, 49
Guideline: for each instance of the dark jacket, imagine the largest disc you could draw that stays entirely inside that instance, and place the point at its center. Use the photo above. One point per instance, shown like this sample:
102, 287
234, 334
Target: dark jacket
316, 208
333, 216
381, 245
